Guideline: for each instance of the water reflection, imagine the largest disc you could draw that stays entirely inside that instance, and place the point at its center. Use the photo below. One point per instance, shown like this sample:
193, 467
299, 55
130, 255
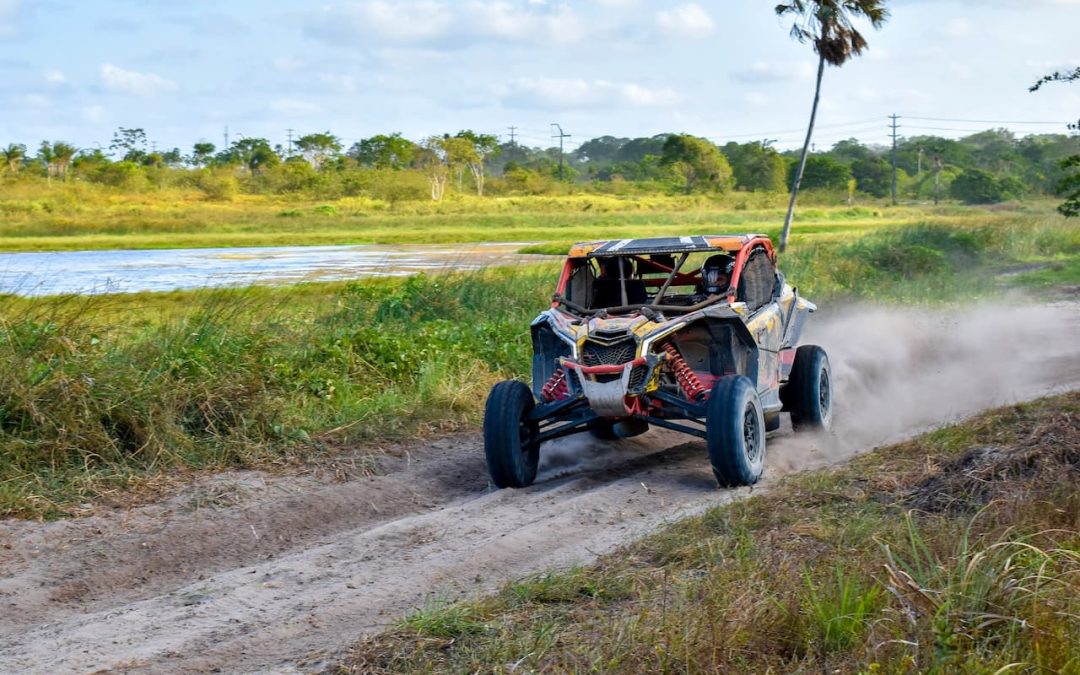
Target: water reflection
95, 272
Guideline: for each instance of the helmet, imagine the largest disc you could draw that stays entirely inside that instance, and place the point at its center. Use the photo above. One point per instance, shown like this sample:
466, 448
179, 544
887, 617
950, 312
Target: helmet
716, 274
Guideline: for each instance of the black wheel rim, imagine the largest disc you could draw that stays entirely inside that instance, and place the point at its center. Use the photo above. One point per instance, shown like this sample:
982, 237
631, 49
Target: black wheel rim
751, 434
526, 434
824, 393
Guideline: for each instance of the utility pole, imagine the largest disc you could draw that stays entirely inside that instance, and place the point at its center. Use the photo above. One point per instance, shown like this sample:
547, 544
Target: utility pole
226, 137
938, 165
561, 136
894, 126
289, 152
513, 135
918, 171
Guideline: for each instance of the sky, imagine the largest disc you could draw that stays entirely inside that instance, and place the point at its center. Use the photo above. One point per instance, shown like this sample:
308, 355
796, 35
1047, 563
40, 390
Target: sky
75, 70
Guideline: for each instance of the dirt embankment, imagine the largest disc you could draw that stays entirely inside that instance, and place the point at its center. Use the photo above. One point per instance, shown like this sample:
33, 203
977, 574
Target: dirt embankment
245, 572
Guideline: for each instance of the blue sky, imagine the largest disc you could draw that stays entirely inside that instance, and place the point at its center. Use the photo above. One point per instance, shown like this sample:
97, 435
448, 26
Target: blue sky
75, 70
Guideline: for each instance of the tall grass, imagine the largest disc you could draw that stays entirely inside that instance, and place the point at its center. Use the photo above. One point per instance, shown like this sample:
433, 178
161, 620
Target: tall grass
244, 378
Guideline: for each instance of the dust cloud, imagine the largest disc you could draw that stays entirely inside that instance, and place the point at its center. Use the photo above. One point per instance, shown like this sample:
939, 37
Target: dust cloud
899, 371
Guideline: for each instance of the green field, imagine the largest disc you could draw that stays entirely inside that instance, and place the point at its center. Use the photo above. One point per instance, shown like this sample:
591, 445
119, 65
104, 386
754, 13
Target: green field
114, 397
79, 216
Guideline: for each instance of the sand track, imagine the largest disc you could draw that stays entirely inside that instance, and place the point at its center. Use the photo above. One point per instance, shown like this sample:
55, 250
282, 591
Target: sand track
246, 572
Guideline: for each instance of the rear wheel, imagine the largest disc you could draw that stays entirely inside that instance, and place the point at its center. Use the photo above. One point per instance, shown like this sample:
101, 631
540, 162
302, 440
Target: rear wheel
808, 394
509, 436
735, 432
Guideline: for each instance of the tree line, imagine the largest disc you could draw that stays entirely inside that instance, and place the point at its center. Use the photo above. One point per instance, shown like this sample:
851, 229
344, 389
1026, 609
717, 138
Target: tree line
984, 167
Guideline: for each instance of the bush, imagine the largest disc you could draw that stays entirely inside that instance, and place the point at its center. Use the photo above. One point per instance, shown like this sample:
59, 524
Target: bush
976, 186
219, 186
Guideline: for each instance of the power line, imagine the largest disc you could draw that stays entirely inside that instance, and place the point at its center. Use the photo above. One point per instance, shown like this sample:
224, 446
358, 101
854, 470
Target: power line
948, 119
974, 131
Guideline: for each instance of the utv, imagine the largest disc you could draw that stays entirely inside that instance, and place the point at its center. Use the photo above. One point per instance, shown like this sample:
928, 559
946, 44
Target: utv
696, 334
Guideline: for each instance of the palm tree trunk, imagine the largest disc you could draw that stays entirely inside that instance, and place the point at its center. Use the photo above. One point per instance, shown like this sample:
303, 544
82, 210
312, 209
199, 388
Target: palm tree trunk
802, 158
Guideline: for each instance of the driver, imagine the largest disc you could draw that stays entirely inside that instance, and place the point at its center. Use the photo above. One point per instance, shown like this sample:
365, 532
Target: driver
715, 276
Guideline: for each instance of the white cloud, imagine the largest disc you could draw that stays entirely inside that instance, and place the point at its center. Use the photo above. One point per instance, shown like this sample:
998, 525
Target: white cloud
559, 93
757, 99
294, 106
133, 82
686, 21
53, 76
761, 72
446, 25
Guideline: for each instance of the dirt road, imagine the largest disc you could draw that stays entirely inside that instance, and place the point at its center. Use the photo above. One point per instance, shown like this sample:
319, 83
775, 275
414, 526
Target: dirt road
246, 572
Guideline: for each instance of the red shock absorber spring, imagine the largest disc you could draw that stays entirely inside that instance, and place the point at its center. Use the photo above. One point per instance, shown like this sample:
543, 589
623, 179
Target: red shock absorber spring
686, 377
556, 388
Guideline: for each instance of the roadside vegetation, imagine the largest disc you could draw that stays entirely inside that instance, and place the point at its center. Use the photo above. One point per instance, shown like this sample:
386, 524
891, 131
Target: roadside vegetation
107, 398
956, 552
470, 187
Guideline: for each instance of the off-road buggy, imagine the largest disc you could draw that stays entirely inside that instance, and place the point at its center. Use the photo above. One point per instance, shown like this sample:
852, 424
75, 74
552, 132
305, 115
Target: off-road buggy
696, 334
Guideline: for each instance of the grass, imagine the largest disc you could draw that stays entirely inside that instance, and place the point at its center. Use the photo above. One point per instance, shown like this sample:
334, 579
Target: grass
82, 216
100, 395
102, 398
956, 552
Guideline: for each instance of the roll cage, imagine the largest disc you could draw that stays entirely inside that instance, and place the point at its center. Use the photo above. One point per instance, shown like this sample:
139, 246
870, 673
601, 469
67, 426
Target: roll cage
589, 268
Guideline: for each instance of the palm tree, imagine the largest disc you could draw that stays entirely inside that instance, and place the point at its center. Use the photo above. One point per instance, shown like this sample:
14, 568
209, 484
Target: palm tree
13, 155
62, 156
829, 26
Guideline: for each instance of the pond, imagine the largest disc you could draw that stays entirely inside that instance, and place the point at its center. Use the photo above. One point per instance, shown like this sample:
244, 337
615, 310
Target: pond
128, 271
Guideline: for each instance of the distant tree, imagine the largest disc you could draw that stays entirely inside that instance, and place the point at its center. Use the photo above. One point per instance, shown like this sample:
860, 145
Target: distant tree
88, 161
1069, 185
757, 166
975, 186
173, 158
475, 156
431, 158
637, 149
850, 151
63, 153
47, 158
129, 143
697, 162
253, 153
317, 148
13, 156
993, 150
873, 175
384, 151
823, 172
829, 26
202, 153
154, 159
602, 150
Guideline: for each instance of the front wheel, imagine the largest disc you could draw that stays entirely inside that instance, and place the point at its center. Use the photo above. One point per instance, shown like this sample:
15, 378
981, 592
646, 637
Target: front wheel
808, 394
509, 436
735, 432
